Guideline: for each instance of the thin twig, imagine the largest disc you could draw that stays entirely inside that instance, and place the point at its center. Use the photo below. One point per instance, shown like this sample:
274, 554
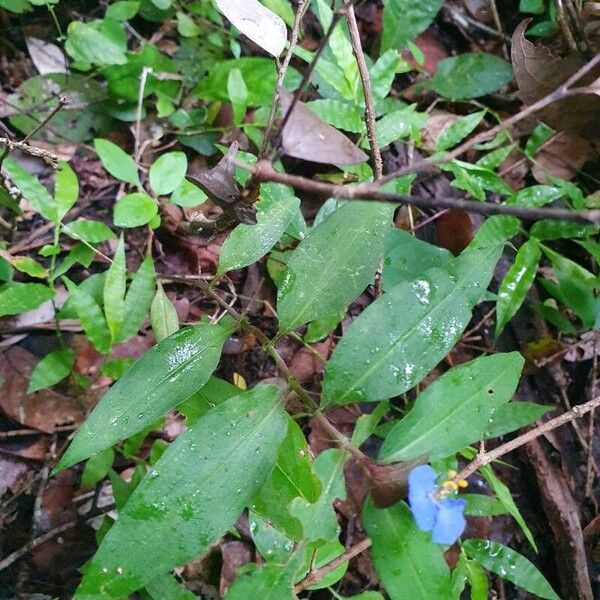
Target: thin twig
363, 69
316, 575
281, 75
487, 457
11, 145
62, 101
265, 172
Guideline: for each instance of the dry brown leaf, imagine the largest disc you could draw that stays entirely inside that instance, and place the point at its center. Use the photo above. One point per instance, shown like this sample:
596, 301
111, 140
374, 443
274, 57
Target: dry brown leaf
562, 156
454, 230
538, 73
235, 554
305, 136
44, 410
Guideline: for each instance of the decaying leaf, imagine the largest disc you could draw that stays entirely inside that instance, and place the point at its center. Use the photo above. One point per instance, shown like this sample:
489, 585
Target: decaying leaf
257, 22
305, 136
47, 58
562, 156
538, 73
220, 186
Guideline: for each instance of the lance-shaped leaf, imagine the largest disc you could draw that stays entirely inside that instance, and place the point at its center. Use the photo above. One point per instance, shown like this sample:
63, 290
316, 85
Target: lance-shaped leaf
516, 283
257, 22
194, 493
221, 188
247, 243
399, 338
167, 374
509, 565
305, 136
269, 582
114, 291
455, 409
334, 263
410, 565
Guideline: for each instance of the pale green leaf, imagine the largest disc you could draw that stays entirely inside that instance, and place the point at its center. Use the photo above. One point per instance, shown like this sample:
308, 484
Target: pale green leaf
90, 231
117, 162
163, 315
168, 172
135, 210
54, 367
66, 189
114, 291
16, 298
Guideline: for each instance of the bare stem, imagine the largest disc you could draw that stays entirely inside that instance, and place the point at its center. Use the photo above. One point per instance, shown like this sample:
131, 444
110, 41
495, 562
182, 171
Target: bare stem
485, 458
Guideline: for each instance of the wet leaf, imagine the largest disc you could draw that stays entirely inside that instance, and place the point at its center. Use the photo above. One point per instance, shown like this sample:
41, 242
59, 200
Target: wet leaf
305, 136
479, 505
256, 22
333, 264
516, 283
470, 75
551, 229
387, 350
54, 367
410, 565
248, 243
513, 416
509, 565
167, 374
221, 462
454, 410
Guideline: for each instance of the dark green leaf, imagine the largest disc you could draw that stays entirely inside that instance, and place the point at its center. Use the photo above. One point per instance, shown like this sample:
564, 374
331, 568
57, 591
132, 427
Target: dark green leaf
172, 516
167, 374
403, 20
536, 195
388, 349
509, 565
471, 75
459, 130
33, 191
551, 229
54, 367
516, 283
333, 264
166, 587
268, 582
97, 467
410, 565
455, 409
214, 392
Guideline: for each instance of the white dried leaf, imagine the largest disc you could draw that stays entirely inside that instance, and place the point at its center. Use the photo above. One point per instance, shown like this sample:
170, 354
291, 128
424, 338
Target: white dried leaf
256, 22
46, 57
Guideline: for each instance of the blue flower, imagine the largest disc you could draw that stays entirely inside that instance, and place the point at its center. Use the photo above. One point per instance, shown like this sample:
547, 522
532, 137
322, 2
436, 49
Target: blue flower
434, 510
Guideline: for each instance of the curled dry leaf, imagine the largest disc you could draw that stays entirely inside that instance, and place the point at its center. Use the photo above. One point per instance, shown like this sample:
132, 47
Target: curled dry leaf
256, 22
220, 186
539, 73
305, 136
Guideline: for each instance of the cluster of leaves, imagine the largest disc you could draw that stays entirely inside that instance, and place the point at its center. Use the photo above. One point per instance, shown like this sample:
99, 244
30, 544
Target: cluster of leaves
241, 449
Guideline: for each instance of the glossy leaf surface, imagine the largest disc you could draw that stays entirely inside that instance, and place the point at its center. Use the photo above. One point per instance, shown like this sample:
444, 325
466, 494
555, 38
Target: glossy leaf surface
224, 458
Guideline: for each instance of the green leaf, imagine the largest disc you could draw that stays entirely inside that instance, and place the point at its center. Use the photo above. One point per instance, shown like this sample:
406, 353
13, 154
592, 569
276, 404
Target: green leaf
479, 505
54, 367
509, 565
238, 95
535, 196
513, 416
398, 124
340, 114
496, 230
454, 410
31, 189
388, 349
322, 327
17, 298
516, 283
90, 315
292, 477
138, 300
117, 162
188, 194
367, 424
406, 257
459, 130
167, 374
271, 543
383, 73
470, 75
186, 26
323, 555
268, 582
114, 291
333, 264
97, 467
134, 210
477, 580
555, 317
166, 587
318, 518
163, 315
214, 392
90, 231
504, 495
248, 243
171, 516
409, 564
403, 20
551, 229
66, 189
123, 10
168, 172
86, 43
31, 267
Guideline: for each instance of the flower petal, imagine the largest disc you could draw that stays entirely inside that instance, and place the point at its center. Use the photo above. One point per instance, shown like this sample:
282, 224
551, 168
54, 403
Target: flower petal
421, 485
450, 521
